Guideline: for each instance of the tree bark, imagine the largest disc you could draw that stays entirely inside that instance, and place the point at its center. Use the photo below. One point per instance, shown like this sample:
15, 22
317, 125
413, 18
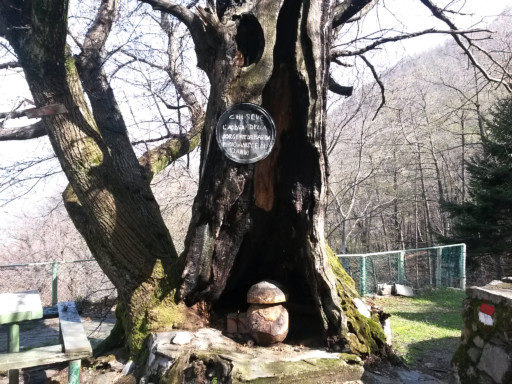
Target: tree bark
266, 220
250, 222
109, 197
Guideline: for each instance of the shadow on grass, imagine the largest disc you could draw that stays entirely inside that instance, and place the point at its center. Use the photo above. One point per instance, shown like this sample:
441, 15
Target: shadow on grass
443, 297
447, 320
432, 354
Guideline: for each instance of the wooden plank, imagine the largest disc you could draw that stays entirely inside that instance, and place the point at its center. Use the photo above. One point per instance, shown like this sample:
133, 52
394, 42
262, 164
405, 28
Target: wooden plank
36, 357
21, 306
72, 330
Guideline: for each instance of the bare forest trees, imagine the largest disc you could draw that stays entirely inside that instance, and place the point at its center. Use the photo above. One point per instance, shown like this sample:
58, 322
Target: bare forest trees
414, 151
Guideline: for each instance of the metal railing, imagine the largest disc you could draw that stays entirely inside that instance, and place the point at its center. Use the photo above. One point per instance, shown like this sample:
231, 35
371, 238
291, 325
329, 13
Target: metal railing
420, 267
90, 276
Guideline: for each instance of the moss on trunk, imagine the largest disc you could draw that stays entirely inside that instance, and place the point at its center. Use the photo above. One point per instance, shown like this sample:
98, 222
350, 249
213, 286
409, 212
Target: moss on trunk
152, 307
364, 335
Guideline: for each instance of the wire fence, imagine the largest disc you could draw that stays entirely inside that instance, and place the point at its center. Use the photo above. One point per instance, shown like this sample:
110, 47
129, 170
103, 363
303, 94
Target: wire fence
84, 281
78, 280
443, 266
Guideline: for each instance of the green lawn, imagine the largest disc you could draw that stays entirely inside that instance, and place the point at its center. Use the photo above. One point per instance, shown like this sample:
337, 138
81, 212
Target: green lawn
429, 323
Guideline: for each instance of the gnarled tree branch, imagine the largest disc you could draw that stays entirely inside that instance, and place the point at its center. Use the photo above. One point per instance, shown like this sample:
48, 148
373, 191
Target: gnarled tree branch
379, 82
339, 89
10, 64
28, 132
347, 9
158, 158
336, 52
439, 14
191, 20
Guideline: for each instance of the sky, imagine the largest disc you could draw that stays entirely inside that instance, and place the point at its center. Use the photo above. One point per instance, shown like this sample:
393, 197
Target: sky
406, 15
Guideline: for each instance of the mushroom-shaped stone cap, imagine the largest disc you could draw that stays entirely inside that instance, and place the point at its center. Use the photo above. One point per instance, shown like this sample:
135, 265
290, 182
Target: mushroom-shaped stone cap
265, 293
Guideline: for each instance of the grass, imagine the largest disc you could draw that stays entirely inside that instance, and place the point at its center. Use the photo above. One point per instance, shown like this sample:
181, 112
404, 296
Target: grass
428, 323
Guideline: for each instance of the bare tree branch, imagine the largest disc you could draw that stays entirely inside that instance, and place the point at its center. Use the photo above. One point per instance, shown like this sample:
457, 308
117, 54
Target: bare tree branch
10, 64
379, 82
348, 9
339, 89
97, 34
182, 86
143, 60
23, 133
157, 159
336, 52
439, 14
191, 20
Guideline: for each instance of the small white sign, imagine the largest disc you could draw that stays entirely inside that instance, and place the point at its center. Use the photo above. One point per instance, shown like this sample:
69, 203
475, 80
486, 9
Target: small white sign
486, 319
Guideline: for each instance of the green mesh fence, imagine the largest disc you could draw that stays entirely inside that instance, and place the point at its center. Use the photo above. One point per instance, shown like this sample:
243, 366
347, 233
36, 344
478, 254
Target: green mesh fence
443, 266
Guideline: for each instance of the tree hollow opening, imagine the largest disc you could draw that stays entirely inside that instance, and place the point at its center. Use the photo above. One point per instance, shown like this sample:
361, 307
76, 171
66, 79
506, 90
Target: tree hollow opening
305, 324
249, 39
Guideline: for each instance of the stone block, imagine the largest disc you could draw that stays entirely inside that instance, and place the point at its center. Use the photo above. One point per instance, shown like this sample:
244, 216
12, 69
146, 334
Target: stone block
495, 293
182, 338
237, 323
402, 290
384, 289
387, 332
362, 308
268, 324
474, 354
479, 342
495, 361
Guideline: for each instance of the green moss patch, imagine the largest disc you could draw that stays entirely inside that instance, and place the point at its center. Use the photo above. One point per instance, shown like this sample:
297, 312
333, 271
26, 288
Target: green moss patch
364, 336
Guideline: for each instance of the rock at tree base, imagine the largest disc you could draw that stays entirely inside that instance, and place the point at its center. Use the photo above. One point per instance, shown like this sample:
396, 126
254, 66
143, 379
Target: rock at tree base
265, 292
384, 289
402, 290
268, 324
485, 352
362, 308
182, 338
237, 323
211, 355
387, 331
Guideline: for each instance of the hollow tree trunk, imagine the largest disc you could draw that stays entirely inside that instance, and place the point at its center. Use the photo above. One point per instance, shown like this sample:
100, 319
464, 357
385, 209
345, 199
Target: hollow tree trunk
249, 221
266, 220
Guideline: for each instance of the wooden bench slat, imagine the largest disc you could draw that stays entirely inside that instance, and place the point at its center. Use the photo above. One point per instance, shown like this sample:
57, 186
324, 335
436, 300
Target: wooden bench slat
73, 334
20, 306
37, 356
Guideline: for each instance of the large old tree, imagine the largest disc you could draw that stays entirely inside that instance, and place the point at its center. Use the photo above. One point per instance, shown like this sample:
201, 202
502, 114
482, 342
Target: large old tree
249, 222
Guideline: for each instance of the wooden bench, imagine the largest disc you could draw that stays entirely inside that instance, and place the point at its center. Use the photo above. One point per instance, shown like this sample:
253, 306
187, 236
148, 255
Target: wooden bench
74, 347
